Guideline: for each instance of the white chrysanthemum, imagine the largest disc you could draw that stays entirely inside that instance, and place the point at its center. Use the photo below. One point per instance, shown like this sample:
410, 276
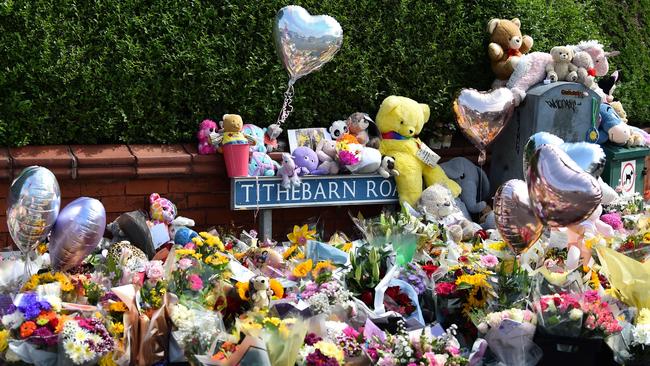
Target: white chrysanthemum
13, 320
494, 319
81, 335
74, 351
642, 334
86, 353
55, 302
575, 314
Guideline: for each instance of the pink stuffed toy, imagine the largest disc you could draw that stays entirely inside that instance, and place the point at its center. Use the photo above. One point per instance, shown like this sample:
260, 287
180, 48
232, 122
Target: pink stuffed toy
205, 129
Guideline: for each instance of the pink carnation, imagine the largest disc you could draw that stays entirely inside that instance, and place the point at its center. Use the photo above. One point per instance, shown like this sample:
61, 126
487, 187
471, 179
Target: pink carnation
154, 270
348, 158
190, 246
489, 261
184, 264
195, 281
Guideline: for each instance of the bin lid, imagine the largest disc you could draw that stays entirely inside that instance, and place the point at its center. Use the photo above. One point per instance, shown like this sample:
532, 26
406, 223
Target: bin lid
568, 89
615, 152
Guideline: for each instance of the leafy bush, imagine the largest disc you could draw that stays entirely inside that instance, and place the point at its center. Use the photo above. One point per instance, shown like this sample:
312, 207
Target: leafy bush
148, 71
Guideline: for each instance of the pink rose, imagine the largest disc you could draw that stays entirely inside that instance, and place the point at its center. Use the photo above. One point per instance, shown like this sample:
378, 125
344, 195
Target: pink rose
454, 351
184, 264
190, 246
350, 332
195, 281
154, 270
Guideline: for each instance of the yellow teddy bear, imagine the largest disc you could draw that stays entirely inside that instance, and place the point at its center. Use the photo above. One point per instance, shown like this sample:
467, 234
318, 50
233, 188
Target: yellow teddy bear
400, 120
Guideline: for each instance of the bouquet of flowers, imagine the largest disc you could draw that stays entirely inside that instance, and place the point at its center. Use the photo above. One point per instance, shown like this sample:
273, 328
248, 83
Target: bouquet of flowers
196, 329
599, 321
84, 341
560, 314
34, 321
317, 351
632, 345
325, 297
283, 337
509, 334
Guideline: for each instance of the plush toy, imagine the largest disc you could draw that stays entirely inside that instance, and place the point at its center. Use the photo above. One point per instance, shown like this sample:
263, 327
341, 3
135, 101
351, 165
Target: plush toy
205, 129
161, 210
531, 69
620, 112
438, 203
507, 45
474, 184
261, 165
326, 152
611, 127
271, 135
261, 292
561, 69
358, 124
257, 134
184, 235
289, 172
232, 132
306, 160
387, 168
608, 85
400, 120
367, 160
338, 129
586, 71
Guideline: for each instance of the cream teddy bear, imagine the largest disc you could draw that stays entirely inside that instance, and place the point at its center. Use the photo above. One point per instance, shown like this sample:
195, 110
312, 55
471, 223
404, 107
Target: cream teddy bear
260, 292
561, 68
438, 204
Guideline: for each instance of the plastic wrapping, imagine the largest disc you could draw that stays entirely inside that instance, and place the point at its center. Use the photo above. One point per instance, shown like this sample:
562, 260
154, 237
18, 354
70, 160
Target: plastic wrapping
512, 343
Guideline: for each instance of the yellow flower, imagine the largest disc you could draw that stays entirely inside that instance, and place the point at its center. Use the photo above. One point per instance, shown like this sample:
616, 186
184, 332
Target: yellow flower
303, 269
117, 307
643, 317
301, 235
646, 237
197, 241
216, 259
330, 350
595, 281
116, 328
347, 246
4, 337
322, 266
497, 245
272, 321
107, 360
293, 251
283, 330
183, 252
41, 248
242, 290
475, 280
276, 286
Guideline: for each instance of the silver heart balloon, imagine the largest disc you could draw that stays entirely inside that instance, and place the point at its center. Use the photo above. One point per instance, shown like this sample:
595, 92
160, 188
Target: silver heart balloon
305, 42
76, 232
514, 216
590, 157
32, 207
561, 192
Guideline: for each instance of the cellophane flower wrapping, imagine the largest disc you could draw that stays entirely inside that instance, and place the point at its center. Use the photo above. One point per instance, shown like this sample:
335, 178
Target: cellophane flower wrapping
559, 314
195, 329
509, 334
83, 341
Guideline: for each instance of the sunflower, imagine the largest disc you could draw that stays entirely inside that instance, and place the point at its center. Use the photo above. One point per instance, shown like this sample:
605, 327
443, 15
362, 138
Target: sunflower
41, 248
301, 235
475, 280
276, 286
303, 268
322, 266
497, 245
290, 252
346, 247
242, 290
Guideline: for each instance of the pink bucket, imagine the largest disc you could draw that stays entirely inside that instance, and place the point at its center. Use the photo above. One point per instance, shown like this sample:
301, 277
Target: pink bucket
236, 157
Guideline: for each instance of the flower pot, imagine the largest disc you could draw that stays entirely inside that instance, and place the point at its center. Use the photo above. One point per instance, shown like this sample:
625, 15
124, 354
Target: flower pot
236, 157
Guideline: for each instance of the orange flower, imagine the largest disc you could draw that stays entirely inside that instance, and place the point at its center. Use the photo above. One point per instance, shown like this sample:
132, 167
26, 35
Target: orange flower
276, 286
27, 328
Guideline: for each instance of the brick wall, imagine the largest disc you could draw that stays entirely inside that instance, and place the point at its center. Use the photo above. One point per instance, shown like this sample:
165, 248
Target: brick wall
122, 177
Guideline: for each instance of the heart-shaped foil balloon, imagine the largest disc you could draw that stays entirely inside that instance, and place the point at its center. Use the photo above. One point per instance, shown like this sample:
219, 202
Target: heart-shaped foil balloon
32, 207
590, 157
305, 42
514, 215
562, 193
483, 115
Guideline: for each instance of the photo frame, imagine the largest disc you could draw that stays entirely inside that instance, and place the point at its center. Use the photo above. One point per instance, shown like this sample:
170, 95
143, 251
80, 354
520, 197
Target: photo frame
309, 137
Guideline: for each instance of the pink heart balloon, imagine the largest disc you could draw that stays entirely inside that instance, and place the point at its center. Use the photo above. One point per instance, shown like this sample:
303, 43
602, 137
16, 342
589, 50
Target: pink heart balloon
562, 193
483, 115
515, 218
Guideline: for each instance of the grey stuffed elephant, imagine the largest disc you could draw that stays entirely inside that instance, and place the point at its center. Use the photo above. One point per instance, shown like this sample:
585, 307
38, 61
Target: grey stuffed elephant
472, 179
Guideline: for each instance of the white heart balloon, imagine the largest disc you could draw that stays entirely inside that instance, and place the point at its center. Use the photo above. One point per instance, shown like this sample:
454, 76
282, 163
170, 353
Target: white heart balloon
305, 42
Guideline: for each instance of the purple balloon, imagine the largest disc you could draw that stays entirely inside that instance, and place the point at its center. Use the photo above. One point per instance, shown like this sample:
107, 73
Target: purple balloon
77, 232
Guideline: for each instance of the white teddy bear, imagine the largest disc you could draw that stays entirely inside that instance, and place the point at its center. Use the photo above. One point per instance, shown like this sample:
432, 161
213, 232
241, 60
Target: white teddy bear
260, 292
438, 203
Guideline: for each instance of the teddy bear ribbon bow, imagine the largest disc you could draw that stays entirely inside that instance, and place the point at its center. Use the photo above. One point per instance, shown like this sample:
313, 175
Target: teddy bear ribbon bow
392, 135
513, 52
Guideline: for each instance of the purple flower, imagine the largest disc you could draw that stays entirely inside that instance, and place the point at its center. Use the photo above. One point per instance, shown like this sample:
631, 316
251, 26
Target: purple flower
317, 358
43, 336
311, 339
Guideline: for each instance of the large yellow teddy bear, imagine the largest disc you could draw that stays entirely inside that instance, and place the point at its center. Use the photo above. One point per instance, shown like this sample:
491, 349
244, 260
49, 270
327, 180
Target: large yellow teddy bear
400, 120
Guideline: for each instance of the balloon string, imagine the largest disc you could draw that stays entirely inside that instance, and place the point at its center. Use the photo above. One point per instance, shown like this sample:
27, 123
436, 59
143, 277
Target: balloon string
287, 107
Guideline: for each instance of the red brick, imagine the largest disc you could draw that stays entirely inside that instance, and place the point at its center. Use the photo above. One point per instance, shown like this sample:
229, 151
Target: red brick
70, 188
212, 200
4, 188
3, 224
124, 203
100, 188
198, 215
147, 186
192, 185
5, 241
179, 199
3, 206
224, 216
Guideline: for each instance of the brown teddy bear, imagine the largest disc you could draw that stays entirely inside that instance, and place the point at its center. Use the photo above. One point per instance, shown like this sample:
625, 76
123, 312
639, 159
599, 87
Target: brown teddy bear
507, 45
561, 69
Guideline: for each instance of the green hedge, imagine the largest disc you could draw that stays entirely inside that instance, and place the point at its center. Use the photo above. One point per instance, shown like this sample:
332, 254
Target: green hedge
148, 71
